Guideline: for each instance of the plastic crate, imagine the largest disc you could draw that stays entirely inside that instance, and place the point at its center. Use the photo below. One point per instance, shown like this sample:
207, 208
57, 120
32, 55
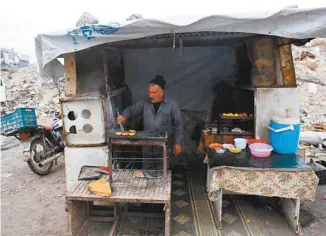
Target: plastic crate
20, 118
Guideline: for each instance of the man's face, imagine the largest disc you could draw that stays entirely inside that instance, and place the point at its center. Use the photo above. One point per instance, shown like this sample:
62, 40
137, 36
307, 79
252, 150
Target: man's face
155, 93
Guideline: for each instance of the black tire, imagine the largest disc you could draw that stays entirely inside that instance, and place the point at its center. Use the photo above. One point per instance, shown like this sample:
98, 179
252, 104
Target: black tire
34, 165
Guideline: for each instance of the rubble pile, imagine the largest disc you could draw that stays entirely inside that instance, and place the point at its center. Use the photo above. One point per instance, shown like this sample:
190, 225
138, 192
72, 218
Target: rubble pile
25, 88
310, 69
86, 18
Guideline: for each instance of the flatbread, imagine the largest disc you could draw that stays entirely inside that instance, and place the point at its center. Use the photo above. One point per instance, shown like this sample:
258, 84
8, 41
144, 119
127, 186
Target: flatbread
126, 133
138, 174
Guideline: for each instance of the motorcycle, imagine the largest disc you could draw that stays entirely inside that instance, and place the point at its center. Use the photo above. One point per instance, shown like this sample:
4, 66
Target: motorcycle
43, 145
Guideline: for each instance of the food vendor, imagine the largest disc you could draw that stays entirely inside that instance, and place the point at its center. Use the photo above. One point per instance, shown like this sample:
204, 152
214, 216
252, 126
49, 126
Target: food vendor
159, 113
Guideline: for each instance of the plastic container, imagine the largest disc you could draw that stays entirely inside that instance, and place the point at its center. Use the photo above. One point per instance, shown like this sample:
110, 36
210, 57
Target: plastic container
284, 134
260, 150
20, 118
251, 141
240, 143
228, 146
220, 150
215, 145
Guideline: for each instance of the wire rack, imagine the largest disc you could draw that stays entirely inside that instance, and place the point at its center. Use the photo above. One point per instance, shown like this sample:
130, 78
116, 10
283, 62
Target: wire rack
149, 154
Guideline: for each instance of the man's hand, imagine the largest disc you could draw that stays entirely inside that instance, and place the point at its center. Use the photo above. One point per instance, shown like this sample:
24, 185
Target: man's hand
177, 149
121, 119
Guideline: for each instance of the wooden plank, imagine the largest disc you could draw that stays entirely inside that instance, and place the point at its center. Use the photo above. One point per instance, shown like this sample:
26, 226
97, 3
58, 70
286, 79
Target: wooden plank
79, 188
167, 219
286, 60
291, 211
77, 216
100, 219
143, 214
85, 190
261, 49
82, 188
71, 75
217, 206
144, 186
114, 227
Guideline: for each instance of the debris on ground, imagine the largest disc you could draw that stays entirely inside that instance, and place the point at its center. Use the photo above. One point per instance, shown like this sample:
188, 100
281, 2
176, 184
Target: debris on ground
25, 88
310, 69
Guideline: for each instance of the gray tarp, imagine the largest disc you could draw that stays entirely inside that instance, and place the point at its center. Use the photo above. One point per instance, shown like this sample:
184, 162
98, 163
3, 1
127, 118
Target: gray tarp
191, 76
290, 23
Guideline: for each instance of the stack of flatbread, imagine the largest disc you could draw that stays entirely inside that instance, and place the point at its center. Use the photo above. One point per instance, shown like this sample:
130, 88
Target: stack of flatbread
126, 133
100, 187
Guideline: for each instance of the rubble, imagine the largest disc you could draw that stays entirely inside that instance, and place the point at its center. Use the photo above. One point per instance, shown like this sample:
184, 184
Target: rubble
12, 59
310, 69
25, 88
87, 18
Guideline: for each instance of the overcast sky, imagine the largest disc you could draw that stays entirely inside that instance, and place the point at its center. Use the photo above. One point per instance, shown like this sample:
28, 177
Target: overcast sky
22, 20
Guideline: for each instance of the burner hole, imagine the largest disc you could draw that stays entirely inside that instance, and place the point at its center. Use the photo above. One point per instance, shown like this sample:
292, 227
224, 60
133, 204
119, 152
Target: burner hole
87, 128
72, 129
71, 115
86, 114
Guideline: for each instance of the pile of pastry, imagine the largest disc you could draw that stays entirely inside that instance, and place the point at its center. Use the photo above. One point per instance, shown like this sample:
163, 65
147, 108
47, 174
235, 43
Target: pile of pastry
126, 133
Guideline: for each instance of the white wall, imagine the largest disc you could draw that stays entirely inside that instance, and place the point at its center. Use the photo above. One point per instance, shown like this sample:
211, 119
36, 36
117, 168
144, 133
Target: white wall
75, 158
269, 102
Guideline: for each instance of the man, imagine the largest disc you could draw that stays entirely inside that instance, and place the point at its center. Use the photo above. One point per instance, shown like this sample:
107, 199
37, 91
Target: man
159, 113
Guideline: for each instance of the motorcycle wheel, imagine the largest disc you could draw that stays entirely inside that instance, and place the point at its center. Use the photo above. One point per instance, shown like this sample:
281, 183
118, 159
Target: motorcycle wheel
37, 146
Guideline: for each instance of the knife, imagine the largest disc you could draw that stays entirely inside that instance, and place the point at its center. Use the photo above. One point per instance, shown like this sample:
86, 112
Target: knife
121, 125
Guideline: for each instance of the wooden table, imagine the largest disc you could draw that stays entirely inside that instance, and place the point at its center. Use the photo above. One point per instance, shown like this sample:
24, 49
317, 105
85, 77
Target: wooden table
229, 163
125, 189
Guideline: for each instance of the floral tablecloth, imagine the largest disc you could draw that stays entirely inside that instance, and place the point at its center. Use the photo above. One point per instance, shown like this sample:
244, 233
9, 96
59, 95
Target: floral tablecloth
287, 183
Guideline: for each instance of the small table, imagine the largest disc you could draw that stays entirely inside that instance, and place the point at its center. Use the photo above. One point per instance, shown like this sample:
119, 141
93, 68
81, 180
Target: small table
125, 189
284, 176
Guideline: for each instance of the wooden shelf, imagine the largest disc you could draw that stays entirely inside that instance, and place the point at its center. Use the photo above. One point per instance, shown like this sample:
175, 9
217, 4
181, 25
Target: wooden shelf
237, 134
237, 117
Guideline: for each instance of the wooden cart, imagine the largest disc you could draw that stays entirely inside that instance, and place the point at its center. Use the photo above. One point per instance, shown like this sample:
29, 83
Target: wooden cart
125, 189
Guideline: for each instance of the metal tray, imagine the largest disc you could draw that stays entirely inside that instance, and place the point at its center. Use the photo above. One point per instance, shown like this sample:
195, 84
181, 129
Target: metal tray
91, 173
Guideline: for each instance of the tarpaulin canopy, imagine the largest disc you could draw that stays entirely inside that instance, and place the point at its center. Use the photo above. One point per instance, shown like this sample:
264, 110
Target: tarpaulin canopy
290, 23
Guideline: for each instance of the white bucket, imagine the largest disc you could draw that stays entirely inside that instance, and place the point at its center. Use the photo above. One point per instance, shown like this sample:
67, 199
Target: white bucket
240, 143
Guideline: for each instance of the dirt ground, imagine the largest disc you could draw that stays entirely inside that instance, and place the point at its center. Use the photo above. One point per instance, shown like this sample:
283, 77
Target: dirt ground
33, 205
30, 204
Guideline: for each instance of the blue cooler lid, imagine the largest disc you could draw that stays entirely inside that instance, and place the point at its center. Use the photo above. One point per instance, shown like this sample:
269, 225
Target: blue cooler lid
286, 120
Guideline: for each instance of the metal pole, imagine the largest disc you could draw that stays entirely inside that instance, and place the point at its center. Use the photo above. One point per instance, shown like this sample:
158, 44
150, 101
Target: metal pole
165, 164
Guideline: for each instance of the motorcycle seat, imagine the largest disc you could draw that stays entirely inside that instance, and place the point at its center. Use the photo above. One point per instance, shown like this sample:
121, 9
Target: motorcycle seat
47, 127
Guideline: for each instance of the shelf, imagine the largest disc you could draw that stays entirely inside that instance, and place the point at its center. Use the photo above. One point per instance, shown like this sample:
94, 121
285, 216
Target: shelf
237, 118
237, 134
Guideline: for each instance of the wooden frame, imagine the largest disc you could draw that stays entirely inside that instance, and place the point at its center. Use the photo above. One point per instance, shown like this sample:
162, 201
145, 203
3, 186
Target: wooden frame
71, 75
159, 193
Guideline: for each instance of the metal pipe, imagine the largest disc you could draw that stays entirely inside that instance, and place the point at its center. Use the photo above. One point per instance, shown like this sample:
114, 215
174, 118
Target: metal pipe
43, 163
165, 163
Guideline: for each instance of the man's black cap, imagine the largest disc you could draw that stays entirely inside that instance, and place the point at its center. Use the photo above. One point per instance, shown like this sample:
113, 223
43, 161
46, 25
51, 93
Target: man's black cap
158, 80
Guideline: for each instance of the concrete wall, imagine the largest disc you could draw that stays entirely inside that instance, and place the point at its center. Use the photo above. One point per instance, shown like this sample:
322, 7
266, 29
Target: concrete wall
271, 102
